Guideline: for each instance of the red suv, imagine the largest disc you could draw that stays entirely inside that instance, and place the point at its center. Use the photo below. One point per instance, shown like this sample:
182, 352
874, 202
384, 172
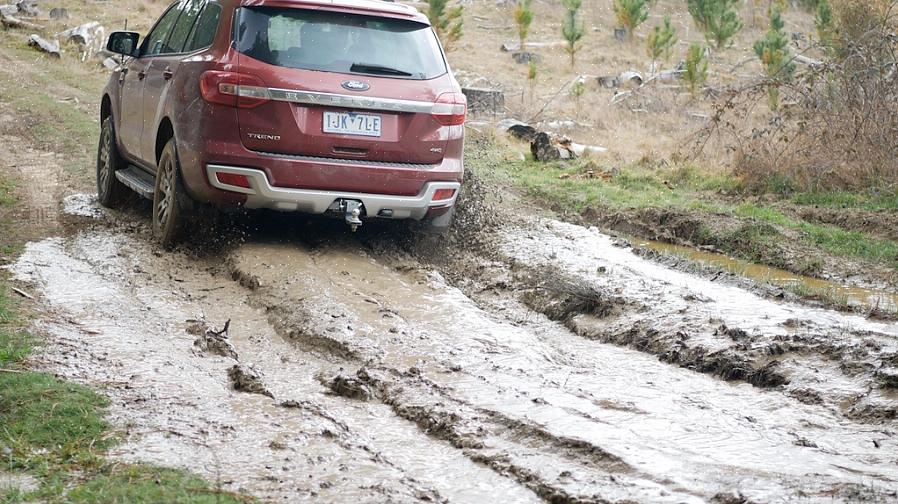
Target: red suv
316, 106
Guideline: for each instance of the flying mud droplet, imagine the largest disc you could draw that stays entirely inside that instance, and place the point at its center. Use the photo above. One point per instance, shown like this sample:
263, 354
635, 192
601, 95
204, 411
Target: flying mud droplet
245, 378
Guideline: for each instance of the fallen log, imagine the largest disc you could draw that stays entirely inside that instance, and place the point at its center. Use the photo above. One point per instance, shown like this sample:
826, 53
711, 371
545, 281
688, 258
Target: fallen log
14, 22
90, 37
38, 42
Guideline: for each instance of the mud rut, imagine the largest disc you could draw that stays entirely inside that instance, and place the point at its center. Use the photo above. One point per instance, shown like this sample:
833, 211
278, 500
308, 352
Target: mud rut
373, 371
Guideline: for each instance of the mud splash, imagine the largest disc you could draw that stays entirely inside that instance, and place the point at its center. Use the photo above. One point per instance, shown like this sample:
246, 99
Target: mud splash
857, 297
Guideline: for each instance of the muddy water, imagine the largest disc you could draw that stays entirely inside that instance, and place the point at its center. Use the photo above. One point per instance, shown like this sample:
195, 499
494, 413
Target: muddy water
467, 401
116, 319
528, 388
822, 355
858, 297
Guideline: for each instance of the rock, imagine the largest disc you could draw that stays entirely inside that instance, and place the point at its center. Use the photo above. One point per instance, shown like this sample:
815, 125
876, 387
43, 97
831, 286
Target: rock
546, 147
90, 37
620, 34
38, 42
245, 378
522, 57
484, 101
28, 8
551, 147
8, 10
59, 13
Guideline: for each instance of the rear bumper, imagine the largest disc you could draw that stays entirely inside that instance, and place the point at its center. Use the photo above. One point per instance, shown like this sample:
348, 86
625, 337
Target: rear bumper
261, 194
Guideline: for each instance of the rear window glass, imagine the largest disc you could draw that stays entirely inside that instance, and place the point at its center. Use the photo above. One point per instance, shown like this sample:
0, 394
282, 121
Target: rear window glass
339, 42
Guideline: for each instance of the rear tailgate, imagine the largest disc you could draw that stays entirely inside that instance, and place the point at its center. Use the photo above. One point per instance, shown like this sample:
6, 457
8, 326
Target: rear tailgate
343, 86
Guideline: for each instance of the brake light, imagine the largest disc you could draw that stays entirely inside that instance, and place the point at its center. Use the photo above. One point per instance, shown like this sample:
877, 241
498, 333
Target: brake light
233, 179
443, 194
450, 109
233, 89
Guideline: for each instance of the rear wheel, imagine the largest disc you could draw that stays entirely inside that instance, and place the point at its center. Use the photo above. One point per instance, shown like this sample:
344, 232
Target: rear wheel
110, 191
167, 197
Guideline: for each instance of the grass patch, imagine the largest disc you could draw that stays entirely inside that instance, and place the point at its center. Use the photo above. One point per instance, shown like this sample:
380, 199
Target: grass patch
843, 199
51, 122
567, 186
55, 431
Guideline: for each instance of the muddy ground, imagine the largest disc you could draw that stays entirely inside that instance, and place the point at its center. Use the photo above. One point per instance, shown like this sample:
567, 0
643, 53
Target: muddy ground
520, 359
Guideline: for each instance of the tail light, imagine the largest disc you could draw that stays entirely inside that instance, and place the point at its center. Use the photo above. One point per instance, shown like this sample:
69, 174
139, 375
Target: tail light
450, 109
443, 194
233, 179
233, 89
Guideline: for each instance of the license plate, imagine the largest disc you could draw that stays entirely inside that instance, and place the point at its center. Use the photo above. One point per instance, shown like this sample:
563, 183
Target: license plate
349, 123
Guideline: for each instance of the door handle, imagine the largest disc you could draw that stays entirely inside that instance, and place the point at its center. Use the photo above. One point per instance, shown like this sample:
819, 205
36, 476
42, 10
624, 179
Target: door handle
167, 74
141, 75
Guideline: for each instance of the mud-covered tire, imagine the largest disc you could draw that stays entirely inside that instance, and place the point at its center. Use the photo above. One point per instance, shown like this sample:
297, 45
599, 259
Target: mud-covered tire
168, 195
110, 191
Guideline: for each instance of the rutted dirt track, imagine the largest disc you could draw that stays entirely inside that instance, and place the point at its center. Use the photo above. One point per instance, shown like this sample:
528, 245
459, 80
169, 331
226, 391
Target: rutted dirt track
539, 361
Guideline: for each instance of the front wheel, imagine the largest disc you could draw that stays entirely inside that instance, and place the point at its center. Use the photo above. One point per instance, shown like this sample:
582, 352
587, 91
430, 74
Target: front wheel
110, 191
167, 197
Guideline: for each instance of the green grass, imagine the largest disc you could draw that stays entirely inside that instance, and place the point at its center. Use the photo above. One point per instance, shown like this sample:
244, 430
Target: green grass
50, 122
55, 431
562, 186
848, 200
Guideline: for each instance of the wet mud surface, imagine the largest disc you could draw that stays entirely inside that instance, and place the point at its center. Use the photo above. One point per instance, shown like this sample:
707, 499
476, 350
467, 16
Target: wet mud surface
543, 362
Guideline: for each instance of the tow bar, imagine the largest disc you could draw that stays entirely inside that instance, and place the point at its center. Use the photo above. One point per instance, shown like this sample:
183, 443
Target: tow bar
352, 211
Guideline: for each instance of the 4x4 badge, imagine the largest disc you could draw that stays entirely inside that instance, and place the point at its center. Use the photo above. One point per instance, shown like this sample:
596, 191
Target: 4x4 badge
354, 85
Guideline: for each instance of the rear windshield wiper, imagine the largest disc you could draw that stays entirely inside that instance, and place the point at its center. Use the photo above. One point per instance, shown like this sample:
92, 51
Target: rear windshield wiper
377, 69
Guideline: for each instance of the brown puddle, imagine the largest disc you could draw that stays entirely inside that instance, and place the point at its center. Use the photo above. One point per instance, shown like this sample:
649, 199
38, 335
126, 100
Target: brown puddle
857, 297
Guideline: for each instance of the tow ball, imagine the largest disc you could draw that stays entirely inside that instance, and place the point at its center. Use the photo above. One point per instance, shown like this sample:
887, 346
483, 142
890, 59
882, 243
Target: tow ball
352, 212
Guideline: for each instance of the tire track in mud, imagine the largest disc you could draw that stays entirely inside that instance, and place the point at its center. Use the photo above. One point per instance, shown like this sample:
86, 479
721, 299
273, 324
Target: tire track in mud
117, 311
428, 388
814, 355
484, 384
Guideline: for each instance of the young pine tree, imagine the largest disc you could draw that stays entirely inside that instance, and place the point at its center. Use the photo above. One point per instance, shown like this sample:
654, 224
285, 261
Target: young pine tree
531, 78
660, 41
696, 73
719, 19
523, 16
773, 50
446, 21
571, 28
631, 13
825, 26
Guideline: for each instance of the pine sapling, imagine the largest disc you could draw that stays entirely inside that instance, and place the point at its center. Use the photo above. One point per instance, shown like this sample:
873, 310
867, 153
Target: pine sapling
631, 13
571, 28
718, 19
447, 22
696, 73
660, 41
773, 50
531, 78
523, 16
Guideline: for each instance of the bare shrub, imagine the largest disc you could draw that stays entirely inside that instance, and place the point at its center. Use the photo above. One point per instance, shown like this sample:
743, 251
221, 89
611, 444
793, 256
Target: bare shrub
837, 127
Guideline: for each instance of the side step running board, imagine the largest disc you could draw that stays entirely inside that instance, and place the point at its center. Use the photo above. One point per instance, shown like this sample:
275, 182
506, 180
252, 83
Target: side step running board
140, 181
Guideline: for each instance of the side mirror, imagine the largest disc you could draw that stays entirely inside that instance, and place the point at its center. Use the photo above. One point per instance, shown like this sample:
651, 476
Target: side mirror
123, 42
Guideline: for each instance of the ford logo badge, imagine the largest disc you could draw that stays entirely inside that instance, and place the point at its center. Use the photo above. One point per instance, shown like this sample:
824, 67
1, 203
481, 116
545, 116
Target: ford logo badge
354, 85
